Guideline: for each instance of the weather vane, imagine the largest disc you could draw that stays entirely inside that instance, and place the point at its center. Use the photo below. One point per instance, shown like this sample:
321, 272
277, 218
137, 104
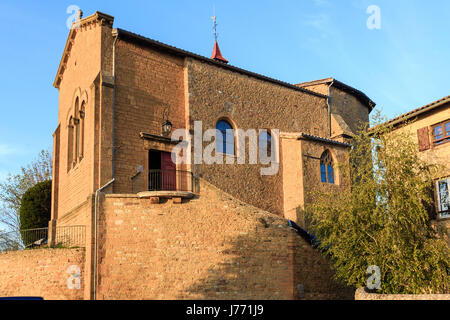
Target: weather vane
214, 18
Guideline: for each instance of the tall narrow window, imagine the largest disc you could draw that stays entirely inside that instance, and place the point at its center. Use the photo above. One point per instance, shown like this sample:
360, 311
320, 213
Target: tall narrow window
326, 168
265, 146
265, 143
82, 129
225, 138
76, 138
70, 128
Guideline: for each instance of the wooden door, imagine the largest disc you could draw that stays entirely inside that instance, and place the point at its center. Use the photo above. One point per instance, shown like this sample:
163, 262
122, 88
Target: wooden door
168, 172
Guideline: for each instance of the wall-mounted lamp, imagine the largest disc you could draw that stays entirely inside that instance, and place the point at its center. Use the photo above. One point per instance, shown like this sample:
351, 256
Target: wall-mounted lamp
166, 128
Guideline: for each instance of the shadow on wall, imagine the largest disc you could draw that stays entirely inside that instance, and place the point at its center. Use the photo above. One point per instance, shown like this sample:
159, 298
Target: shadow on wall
211, 247
279, 266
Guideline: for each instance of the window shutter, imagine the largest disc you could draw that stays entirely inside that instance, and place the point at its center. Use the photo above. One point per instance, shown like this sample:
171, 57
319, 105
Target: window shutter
424, 139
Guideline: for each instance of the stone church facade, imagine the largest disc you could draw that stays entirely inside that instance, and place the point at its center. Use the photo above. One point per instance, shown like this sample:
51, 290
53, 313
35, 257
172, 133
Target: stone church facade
120, 97
116, 89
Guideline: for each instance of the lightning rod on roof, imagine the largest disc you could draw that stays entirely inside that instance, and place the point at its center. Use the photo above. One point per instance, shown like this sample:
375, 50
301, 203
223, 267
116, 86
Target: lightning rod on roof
214, 18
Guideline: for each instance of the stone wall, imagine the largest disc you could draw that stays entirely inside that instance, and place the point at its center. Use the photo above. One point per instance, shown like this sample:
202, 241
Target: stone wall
248, 103
150, 86
352, 111
312, 151
85, 74
40, 273
212, 247
301, 171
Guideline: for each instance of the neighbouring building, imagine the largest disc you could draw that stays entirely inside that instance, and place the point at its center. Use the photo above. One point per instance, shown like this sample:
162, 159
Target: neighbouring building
430, 127
120, 97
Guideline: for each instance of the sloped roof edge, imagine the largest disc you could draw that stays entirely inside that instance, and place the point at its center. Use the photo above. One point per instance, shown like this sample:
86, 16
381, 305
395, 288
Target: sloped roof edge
130, 36
414, 113
97, 16
345, 87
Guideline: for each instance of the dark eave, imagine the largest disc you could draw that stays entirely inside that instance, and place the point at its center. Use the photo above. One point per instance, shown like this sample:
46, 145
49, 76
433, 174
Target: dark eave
154, 137
320, 139
361, 96
135, 38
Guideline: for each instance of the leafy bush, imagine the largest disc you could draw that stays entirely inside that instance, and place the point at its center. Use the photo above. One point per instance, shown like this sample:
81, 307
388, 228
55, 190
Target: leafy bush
382, 219
15, 185
35, 207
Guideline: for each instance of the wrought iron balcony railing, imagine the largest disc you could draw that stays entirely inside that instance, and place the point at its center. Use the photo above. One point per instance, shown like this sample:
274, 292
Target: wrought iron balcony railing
170, 180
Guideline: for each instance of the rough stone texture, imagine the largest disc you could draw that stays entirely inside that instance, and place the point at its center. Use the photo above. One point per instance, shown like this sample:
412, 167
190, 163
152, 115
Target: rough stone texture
344, 106
361, 294
213, 247
40, 273
349, 108
248, 103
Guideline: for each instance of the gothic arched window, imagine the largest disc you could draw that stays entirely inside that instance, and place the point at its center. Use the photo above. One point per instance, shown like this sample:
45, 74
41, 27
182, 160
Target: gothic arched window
76, 138
225, 137
326, 168
82, 129
70, 135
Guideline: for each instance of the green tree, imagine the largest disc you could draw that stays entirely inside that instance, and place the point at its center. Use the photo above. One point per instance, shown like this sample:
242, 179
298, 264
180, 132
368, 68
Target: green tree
35, 208
12, 190
383, 219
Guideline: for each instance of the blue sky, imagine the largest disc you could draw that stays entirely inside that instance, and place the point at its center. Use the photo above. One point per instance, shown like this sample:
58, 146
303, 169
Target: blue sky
403, 65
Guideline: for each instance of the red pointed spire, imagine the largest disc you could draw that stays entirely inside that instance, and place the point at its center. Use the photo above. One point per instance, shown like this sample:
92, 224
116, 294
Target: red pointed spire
217, 55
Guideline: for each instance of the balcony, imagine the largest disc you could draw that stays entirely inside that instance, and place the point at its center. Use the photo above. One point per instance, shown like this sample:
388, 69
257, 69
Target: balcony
169, 184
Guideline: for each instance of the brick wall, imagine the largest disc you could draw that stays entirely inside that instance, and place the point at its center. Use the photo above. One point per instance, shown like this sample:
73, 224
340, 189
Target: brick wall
148, 84
212, 247
41, 273
80, 79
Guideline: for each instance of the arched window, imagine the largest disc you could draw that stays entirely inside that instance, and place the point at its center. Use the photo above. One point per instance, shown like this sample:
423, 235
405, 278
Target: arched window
70, 128
76, 143
265, 144
326, 168
82, 129
225, 137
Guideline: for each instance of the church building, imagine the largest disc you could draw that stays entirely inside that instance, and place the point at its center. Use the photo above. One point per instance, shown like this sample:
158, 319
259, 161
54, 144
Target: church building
121, 95
139, 124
